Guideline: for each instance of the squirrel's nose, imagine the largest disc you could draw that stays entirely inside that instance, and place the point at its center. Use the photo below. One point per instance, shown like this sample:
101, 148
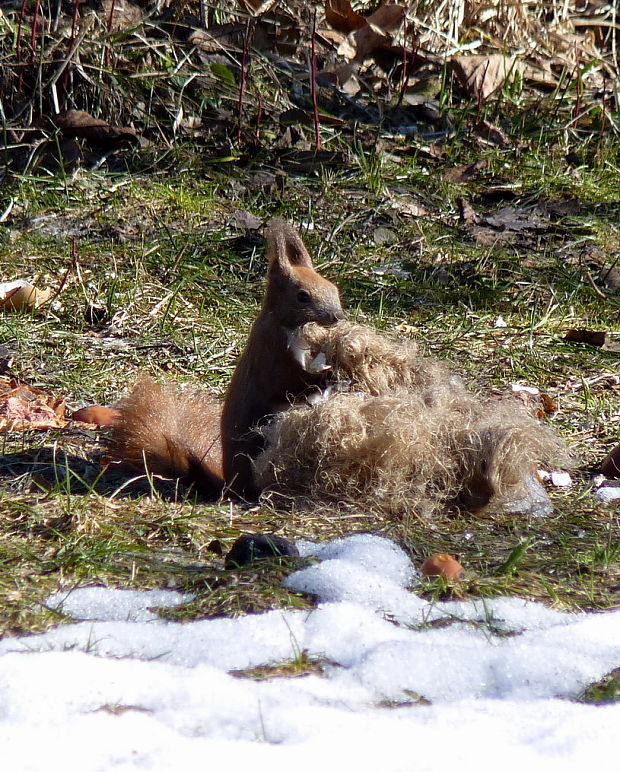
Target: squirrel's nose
334, 318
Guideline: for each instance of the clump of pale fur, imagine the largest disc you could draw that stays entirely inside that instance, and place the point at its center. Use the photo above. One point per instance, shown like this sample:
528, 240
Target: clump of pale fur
407, 434
372, 362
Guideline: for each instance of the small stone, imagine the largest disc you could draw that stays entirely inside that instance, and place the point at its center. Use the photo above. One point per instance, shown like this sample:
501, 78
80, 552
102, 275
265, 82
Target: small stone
561, 479
259, 546
442, 564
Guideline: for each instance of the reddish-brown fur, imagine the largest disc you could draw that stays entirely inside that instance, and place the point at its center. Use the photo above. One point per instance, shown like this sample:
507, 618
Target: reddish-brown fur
173, 433
178, 434
267, 378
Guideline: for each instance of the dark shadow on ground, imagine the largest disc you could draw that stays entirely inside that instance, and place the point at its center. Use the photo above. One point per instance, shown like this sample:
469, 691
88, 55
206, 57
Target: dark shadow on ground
46, 470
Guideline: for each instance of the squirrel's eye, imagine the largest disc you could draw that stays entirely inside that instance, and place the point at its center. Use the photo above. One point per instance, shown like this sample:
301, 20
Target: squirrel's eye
303, 296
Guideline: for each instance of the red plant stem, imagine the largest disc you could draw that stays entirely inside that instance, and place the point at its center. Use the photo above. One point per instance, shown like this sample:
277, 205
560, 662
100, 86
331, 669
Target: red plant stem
18, 44
313, 92
35, 27
111, 16
74, 19
408, 62
577, 110
106, 58
242, 81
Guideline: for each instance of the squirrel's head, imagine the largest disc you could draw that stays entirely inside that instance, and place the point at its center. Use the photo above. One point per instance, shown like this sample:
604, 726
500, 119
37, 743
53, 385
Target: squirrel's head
296, 293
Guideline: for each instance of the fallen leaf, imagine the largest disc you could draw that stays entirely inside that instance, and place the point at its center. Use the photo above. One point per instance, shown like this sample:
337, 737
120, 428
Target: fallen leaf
376, 33
344, 76
462, 173
340, 15
611, 278
548, 404
560, 208
492, 133
409, 208
257, 7
121, 15
592, 337
223, 72
482, 76
78, 123
21, 296
218, 38
24, 407
242, 219
467, 213
511, 218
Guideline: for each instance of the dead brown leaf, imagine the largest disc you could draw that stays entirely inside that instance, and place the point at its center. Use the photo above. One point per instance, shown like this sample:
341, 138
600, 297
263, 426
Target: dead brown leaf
565, 208
548, 404
482, 76
21, 296
245, 220
467, 213
592, 337
121, 14
492, 133
340, 15
611, 278
221, 37
512, 218
78, 123
458, 174
257, 7
377, 32
344, 76
24, 407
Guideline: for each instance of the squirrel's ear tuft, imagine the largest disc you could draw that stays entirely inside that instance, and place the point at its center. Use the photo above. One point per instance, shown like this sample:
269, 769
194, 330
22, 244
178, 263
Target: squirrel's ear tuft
285, 247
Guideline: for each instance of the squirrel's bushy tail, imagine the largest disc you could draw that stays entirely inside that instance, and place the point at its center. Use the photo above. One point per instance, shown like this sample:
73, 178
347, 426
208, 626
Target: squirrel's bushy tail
171, 432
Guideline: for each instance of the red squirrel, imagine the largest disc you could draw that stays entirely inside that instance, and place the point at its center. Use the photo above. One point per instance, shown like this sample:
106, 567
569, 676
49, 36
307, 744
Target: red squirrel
180, 435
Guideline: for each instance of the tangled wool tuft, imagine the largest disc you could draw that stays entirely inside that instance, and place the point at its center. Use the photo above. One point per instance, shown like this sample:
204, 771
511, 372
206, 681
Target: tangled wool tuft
400, 430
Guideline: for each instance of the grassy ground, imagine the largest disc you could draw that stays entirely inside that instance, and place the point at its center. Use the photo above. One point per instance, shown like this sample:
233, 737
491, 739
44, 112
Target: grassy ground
159, 275
177, 285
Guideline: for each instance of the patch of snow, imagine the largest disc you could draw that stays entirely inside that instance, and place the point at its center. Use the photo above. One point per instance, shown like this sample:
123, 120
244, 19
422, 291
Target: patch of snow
561, 479
608, 493
519, 387
102, 603
127, 690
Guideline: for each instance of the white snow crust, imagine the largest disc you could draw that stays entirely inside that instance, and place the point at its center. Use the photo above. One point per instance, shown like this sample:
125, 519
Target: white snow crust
121, 689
